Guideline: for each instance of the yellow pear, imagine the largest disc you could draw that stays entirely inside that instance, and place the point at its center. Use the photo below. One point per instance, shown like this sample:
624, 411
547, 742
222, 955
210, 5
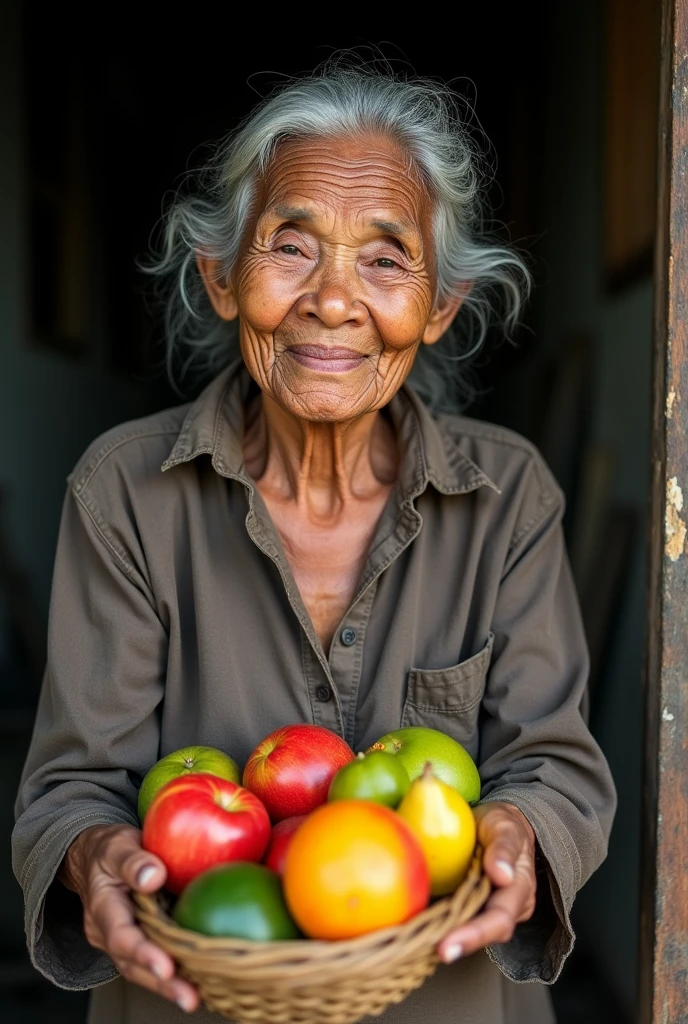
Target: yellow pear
444, 825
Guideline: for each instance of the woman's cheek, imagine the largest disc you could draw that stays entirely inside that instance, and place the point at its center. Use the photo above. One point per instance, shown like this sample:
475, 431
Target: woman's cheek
401, 319
264, 299
258, 354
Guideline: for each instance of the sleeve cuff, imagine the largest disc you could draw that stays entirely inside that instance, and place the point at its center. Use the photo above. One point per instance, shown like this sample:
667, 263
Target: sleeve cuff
540, 945
54, 915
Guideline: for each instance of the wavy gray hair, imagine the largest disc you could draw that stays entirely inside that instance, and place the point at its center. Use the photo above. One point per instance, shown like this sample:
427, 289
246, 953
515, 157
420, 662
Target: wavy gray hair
340, 99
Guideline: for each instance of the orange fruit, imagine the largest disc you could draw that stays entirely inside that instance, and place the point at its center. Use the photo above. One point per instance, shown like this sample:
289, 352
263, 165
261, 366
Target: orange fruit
353, 867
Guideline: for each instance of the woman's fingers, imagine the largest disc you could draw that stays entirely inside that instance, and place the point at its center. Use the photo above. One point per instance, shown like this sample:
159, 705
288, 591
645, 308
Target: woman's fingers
126, 860
494, 924
110, 925
500, 858
117, 865
174, 989
104, 864
504, 834
143, 872
508, 842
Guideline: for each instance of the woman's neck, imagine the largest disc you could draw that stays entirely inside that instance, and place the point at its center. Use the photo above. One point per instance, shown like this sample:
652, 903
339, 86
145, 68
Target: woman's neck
320, 467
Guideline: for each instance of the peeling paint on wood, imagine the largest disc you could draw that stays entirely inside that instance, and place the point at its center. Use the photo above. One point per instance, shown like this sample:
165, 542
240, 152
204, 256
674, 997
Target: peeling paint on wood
674, 526
671, 398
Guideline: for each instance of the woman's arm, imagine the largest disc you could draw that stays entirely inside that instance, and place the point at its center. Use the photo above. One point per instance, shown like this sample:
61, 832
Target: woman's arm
96, 734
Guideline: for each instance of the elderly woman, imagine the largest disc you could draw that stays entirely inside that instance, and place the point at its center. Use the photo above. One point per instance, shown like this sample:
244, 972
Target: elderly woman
309, 542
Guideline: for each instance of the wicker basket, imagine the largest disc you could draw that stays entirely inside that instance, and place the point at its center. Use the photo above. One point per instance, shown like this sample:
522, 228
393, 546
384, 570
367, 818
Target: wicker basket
308, 981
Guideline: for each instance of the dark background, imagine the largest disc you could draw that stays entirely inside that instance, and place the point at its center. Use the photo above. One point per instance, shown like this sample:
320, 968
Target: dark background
101, 120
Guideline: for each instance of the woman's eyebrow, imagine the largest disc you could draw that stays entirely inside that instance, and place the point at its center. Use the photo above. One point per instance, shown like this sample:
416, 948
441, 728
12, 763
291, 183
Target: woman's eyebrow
291, 212
389, 227
401, 232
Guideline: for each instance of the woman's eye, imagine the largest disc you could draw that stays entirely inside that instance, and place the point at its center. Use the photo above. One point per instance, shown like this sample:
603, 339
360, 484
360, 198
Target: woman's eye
290, 250
386, 263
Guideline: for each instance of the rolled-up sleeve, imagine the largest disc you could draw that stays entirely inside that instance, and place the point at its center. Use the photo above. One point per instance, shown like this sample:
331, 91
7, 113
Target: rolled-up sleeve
536, 751
96, 730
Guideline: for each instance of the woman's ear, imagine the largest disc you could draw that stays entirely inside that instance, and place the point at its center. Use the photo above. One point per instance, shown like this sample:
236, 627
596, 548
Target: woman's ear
219, 288
443, 313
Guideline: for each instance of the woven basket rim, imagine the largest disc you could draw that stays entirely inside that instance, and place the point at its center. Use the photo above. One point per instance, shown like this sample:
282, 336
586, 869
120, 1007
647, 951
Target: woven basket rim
440, 912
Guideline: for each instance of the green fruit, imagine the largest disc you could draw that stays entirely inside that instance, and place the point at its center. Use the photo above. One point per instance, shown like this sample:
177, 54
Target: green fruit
240, 900
416, 745
377, 776
187, 761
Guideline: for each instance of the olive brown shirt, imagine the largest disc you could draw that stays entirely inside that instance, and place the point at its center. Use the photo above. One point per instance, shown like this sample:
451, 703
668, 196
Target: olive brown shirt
175, 620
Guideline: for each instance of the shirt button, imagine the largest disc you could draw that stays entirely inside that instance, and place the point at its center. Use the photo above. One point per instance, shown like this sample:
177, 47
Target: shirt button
348, 636
323, 693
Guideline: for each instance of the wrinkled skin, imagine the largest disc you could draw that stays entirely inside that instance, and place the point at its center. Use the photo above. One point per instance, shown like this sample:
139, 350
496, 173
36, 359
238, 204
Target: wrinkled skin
335, 290
341, 256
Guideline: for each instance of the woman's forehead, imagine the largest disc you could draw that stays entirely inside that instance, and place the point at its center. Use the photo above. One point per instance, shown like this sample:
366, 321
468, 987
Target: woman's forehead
366, 175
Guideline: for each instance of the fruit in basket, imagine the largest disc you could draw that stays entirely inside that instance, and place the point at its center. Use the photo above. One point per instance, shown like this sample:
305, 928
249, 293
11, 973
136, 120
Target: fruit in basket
443, 824
378, 776
199, 821
242, 900
292, 768
415, 745
280, 840
353, 867
187, 761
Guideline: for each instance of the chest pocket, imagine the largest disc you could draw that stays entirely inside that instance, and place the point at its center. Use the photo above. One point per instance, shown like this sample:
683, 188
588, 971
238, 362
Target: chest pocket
448, 699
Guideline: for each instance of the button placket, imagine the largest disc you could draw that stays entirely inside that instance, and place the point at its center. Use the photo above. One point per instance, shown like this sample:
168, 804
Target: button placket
346, 659
323, 697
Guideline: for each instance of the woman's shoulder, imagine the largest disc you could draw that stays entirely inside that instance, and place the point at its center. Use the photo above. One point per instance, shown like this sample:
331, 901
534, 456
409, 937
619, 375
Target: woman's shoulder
511, 462
129, 450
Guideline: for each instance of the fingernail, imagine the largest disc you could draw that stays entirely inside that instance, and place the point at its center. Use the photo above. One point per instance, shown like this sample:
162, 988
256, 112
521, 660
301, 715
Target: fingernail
504, 866
146, 874
157, 970
452, 953
184, 1003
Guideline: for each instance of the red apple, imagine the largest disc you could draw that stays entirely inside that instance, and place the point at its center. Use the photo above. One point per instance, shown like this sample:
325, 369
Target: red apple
280, 840
292, 768
197, 821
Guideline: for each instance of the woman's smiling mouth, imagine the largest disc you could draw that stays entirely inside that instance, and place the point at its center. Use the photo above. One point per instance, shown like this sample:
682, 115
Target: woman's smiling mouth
326, 358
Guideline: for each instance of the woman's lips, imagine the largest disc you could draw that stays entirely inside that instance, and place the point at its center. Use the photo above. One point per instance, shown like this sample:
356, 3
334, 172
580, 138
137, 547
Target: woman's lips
326, 358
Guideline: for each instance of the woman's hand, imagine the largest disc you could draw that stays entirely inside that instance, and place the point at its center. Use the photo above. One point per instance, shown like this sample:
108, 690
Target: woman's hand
103, 865
509, 861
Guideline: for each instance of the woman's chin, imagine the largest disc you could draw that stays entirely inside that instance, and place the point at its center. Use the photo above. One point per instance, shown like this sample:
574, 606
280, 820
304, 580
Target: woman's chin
326, 404
326, 398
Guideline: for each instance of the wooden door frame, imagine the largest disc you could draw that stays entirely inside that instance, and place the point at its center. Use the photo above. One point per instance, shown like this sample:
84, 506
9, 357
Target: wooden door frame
663, 954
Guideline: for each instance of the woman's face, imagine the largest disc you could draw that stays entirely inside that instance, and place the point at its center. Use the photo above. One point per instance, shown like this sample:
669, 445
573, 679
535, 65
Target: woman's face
335, 285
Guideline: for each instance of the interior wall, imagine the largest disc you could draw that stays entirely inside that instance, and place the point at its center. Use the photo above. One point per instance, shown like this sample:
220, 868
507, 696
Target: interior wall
620, 327
51, 406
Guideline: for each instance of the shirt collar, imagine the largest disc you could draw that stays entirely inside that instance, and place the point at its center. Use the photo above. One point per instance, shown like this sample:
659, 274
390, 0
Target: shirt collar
214, 425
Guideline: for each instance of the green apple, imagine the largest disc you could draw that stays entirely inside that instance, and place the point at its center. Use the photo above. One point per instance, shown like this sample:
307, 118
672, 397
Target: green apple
378, 776
187, 761
416, 745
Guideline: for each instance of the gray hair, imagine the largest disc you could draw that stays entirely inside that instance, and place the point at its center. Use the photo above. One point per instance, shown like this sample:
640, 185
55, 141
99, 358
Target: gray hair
340, 99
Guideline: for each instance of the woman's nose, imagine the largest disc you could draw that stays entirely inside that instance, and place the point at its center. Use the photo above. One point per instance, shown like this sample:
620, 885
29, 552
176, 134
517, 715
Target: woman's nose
334, 302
